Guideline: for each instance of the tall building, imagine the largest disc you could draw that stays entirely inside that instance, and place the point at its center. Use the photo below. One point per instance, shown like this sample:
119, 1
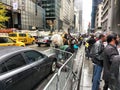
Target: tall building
79, 15
115, 20
111, 15
67, 14
93, 15
24, 14
52, 9
77, 19
106, 15
98, 17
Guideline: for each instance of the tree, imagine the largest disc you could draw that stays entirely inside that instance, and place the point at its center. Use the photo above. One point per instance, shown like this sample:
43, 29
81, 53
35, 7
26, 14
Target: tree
3, 17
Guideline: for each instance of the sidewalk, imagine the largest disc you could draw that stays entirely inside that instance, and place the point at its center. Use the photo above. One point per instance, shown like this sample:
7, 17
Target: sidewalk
86, 78
87, 71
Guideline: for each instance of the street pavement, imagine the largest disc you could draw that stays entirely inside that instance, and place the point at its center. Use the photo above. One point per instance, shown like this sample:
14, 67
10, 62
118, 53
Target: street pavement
86, 77
35, 46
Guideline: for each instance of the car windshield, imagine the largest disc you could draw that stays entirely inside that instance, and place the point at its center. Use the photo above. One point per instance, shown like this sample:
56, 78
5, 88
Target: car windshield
22, 35
5, 40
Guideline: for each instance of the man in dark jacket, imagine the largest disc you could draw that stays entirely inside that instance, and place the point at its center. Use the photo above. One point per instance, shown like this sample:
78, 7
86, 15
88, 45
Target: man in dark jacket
98, 62
114, 81
109, 52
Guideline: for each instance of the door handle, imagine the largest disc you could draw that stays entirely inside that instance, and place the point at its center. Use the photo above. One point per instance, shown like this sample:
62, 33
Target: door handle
36, 68
8, 81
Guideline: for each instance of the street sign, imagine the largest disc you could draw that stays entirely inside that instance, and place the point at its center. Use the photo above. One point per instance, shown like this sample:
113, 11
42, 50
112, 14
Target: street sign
15, 6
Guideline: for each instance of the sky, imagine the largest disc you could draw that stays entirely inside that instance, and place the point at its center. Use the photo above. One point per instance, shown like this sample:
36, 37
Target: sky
87, 8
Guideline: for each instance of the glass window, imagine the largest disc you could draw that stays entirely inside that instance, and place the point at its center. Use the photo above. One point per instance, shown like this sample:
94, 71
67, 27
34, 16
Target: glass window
5, 40
29, 36
22, 35
15, 62
2, 68
9, 40
33, 56
13, 35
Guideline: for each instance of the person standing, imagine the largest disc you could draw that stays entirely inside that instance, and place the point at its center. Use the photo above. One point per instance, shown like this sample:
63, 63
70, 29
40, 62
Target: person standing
98, 62
109, 52
91, 42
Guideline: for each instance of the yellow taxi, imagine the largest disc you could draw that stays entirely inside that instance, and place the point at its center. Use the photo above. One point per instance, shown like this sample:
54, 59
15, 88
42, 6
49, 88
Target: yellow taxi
6, 41
22, 37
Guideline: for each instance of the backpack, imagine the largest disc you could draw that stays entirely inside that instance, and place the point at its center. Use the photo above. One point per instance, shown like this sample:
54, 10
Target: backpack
92, 52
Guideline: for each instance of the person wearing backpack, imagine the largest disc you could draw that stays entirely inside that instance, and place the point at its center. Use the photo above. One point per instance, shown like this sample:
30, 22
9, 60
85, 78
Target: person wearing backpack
98, 61
91, 41
110, 52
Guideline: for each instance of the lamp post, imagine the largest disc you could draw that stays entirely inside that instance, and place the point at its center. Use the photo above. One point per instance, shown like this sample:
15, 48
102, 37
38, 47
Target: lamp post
36, 7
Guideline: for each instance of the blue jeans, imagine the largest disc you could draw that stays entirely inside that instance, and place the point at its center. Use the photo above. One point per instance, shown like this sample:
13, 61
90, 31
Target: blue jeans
96, 77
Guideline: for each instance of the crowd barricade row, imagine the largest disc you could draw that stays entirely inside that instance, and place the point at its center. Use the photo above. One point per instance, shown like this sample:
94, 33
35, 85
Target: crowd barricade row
64, 76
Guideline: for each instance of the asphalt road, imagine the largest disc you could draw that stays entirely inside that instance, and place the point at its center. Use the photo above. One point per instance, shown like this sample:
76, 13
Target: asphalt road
41, 48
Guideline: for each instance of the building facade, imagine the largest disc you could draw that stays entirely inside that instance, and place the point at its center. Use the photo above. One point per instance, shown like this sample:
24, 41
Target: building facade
98, 17
67, 14
93, 14
78, 16
115, 16
111, 15
25, 14
52, 9
106, 15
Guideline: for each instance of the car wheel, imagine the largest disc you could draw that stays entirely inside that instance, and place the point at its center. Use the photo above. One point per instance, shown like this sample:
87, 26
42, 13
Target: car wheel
39, 45
53, 67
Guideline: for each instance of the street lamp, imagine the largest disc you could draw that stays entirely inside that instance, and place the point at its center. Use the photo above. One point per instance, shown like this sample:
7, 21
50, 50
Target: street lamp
36, 3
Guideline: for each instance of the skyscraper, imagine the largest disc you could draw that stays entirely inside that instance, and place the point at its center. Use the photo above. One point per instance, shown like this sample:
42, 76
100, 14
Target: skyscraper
93, 14
79, 7
52, 9
23, 14
115, 23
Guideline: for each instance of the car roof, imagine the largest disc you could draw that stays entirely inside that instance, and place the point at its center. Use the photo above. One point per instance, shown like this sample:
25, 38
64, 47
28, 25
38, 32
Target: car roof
3, 36
5, 51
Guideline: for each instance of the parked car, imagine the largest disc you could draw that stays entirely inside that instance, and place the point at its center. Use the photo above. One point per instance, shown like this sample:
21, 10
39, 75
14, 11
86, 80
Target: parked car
6, 41
44, 40
23, 68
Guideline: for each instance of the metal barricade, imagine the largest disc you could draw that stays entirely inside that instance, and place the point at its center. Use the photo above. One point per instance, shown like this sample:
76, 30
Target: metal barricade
65, 75
53, 83
62, 79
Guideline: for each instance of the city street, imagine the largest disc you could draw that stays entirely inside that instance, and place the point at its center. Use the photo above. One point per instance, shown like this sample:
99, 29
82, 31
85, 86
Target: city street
41, 48
59, 44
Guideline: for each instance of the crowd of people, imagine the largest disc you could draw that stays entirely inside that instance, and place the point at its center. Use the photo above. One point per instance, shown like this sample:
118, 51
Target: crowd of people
103, 51
68, 42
